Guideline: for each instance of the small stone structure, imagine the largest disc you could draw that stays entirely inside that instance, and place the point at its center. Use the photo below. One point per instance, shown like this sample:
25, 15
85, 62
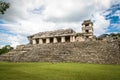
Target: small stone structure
61, 36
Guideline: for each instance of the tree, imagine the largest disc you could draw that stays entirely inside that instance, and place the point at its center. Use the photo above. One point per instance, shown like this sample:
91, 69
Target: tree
5, 49
112, 35
115, 35
3, 7
102, 36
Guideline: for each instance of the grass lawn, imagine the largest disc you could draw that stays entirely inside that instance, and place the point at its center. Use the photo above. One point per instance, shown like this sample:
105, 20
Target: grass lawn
58, 71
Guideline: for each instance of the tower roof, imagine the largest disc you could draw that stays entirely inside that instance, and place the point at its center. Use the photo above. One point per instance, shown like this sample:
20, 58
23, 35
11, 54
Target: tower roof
87, 22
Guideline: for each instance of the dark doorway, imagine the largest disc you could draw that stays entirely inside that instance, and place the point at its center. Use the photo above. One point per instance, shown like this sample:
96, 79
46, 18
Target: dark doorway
37, 41
87, 31
86, 24
44, 40
67, 38
87, 37
59, 39
51, 40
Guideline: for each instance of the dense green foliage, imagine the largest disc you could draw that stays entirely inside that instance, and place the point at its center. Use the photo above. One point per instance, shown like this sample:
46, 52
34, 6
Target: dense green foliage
5, 49
3, 7
58, 71
110, 35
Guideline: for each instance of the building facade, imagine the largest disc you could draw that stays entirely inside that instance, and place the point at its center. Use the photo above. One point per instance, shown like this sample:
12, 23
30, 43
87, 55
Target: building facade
61, 36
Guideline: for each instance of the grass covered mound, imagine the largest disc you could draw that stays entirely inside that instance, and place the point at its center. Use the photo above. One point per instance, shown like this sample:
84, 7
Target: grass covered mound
58, 71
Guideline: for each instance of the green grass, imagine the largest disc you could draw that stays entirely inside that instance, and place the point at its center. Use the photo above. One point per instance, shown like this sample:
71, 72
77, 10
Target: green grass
58, 71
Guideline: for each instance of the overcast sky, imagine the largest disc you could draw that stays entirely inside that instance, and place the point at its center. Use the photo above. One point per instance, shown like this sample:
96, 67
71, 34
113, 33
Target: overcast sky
26, 17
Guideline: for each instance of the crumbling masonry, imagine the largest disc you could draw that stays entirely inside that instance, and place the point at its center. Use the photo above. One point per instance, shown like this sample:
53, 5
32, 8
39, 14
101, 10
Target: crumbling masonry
61, 36
66, 46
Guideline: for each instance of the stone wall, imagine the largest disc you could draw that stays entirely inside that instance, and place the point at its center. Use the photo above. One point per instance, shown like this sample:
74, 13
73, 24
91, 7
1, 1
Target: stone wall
102, 52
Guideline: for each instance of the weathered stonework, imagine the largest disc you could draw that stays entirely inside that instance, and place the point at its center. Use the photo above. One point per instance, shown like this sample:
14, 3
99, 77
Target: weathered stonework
66, 46
61, 36
102, 52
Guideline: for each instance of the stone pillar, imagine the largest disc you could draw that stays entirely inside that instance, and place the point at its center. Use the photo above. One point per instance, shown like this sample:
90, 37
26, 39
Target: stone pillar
47, 40
73, 39
63, 39
34, 41
90, 36
90, 30
55, 40
40, 41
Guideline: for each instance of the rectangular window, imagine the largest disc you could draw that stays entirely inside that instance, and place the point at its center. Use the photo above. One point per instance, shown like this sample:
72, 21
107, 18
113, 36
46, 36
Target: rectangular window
87, 36
87, 31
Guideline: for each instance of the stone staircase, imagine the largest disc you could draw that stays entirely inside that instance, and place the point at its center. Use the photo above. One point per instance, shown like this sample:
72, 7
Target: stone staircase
101, 52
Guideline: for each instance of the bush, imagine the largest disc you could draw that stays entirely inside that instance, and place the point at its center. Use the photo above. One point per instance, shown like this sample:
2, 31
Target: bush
5, 49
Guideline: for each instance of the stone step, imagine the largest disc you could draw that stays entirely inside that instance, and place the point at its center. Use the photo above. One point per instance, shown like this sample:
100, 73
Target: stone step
77, 52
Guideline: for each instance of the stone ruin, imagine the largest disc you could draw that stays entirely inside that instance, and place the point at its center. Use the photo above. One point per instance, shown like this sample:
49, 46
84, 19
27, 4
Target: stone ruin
66, 46
61, 36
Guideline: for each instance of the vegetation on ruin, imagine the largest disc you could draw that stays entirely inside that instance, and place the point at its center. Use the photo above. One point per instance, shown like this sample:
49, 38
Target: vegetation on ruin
58, 71
5, 49
114, 35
